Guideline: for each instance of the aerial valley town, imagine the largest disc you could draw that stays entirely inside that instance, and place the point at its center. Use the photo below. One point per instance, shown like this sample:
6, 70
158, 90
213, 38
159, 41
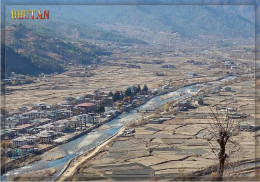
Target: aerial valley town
144, 110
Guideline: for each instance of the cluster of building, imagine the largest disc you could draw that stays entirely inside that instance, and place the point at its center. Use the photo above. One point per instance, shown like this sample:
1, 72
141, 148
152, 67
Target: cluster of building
18, 79
28, 130
228, 64
25, 129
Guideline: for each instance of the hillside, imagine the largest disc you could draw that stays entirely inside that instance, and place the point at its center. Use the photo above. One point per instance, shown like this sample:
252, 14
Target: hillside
78, 31
12, 58
189, 21
45, 52
21, 64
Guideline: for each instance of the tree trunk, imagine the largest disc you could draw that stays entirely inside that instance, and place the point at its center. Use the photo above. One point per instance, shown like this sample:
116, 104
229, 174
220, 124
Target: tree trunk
221, 169
222, 157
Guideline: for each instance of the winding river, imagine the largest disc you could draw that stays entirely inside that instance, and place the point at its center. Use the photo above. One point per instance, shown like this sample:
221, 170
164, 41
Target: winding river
97, 136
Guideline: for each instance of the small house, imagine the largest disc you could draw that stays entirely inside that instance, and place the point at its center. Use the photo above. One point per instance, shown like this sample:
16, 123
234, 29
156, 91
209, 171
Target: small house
60, 127
248, 127
155, 121
183, 106
80, 99
73, 123
45, 137
18, 142
27, 148
227, 89
197, 101
39, 107
192, 74
23, 109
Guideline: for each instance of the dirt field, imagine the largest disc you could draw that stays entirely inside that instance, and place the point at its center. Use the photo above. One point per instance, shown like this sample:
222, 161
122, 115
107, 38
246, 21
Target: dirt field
118, 71
106, 78
177, 147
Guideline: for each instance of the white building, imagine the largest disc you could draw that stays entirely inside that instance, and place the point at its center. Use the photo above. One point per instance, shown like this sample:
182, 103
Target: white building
83, 118
18, 142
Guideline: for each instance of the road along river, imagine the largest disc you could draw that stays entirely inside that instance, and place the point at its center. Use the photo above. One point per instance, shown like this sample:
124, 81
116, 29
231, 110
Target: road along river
97, 136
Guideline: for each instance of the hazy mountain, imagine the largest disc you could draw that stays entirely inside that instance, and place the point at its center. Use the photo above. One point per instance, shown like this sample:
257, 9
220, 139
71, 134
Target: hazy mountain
188, 20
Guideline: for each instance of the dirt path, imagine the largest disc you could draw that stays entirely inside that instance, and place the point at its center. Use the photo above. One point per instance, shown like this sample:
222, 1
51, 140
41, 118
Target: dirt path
73, 166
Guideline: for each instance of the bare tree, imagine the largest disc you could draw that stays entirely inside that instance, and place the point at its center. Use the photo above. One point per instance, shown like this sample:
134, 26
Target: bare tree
222, 127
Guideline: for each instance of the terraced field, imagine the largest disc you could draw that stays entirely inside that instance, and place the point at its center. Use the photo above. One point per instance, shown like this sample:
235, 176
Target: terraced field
177, 147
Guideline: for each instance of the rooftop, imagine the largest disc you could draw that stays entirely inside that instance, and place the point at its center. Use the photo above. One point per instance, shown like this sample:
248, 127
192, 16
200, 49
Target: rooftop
26, 147
22, 126
19, 139
86, 104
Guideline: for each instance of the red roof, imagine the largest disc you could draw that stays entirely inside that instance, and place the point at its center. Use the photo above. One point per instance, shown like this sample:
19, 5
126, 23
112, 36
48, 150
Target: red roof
86, 104
26, 147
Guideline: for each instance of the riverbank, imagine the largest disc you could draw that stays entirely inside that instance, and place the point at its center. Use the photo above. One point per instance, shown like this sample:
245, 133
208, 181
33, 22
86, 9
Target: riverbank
158, 100
136, 123
176, 147
29, 158
73, 164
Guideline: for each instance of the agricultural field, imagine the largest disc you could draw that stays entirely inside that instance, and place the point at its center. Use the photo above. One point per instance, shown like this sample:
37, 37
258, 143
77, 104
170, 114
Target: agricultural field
178, 147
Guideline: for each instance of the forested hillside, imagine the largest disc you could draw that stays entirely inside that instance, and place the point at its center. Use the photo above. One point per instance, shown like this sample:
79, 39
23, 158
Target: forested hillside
29, 52
21, 64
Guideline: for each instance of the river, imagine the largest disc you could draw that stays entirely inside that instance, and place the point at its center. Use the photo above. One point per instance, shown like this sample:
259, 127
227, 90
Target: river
97, 136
